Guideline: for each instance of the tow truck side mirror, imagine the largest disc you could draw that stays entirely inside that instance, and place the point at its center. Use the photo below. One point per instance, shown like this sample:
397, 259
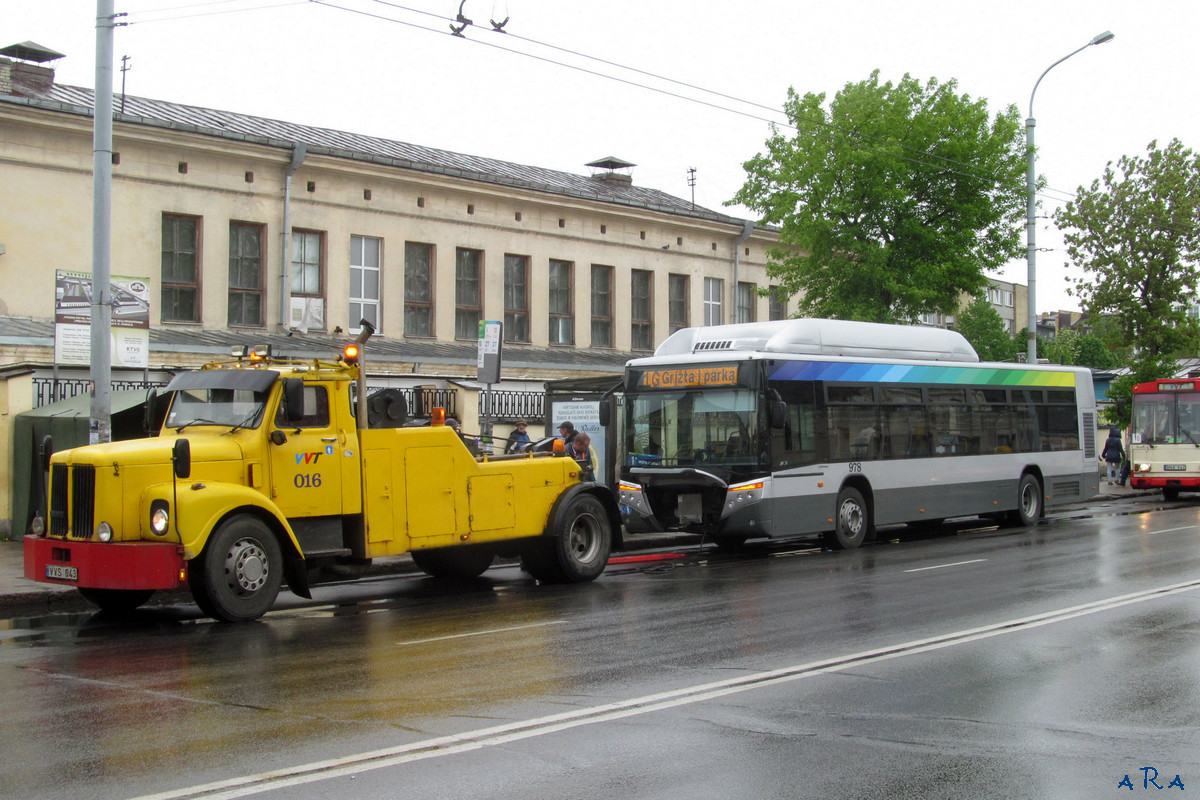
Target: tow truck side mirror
181, 458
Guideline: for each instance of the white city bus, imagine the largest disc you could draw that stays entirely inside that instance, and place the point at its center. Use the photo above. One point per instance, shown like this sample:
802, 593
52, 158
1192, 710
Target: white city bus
805, 426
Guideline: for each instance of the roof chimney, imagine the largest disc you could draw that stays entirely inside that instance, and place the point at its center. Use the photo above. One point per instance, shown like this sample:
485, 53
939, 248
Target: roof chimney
607, 170
26, 77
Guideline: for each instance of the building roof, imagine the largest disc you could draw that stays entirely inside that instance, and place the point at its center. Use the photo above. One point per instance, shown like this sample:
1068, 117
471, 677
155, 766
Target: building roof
210, 343
371, 149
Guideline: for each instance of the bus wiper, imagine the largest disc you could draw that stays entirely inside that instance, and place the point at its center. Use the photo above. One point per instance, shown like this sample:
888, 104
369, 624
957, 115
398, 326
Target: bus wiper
1188, 434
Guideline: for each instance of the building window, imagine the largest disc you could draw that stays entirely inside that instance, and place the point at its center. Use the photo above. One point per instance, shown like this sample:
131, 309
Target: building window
641, 310
245, 274
365, 256
562, 324
776, 303
714, 288
418, 289
746, 294
180, 268
468, 278
677, 301
516, 298
602, 315
307, 247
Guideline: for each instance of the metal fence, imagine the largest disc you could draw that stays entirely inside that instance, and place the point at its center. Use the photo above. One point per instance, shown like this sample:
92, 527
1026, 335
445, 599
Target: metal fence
513, 405
420, 400
51, 390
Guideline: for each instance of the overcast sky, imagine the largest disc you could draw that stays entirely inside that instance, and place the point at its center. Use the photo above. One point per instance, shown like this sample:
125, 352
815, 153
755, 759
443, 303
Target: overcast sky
393, 69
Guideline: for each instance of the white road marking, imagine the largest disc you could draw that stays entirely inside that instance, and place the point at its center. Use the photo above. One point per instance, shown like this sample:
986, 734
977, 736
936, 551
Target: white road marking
943, 566
487, 632
1173, 530
527, 729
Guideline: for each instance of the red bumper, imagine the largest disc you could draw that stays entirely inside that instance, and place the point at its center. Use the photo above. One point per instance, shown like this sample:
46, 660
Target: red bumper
94, 565
1183, 484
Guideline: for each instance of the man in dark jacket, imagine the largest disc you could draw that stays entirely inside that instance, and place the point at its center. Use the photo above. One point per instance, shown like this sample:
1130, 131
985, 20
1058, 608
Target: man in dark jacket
1113, 454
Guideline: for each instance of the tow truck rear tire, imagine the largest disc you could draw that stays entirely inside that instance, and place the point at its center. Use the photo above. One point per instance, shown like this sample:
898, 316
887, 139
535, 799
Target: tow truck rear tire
116, 601
454, 563
238, 574
579, 551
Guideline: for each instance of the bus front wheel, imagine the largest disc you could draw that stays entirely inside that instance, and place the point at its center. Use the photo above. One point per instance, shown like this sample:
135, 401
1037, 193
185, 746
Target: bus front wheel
852, 522
1029, 500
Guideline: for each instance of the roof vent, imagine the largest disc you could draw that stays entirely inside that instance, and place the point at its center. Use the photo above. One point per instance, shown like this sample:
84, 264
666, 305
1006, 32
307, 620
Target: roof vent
612, 170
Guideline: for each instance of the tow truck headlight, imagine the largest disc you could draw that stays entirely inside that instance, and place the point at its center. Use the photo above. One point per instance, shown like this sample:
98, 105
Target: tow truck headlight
105, 532
160, 517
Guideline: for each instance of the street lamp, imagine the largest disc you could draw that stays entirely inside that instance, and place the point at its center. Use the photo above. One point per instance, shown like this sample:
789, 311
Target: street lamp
1031, 199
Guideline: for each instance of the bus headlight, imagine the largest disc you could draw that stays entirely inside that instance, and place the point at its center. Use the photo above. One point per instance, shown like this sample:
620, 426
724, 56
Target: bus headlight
1141, 467
743, 494
105, 532
160, 517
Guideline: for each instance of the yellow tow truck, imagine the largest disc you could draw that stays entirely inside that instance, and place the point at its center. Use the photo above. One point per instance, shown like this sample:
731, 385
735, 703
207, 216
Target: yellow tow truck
265, 472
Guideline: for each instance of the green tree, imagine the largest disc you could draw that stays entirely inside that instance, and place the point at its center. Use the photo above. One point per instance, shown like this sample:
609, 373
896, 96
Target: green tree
891, 202
984, 329
1136, 235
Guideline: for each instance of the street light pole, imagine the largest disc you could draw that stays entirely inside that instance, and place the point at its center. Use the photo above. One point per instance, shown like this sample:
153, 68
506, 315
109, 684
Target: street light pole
1031, 199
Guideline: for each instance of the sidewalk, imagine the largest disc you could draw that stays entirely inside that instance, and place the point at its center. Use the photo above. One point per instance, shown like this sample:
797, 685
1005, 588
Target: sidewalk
16, 589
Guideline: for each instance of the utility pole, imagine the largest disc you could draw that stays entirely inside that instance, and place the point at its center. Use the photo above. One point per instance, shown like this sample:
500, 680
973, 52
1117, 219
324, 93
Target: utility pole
100, 424
125, 67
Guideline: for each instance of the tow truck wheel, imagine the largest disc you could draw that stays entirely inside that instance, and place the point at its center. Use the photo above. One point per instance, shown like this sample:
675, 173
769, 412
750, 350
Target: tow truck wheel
237, 576
581, 548
116, 601
456, 563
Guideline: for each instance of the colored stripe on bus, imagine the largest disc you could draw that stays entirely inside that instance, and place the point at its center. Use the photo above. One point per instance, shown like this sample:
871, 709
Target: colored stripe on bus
900, 373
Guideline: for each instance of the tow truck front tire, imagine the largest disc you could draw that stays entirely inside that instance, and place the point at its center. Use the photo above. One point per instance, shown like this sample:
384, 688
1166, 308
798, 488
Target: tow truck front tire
116, 601
238, 574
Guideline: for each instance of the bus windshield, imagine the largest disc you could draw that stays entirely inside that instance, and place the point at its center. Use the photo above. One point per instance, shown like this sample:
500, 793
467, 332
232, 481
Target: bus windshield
708, 426
1166, 418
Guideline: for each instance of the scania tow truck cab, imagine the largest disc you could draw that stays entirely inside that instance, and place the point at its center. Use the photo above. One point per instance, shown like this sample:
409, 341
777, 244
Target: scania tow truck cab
265, 472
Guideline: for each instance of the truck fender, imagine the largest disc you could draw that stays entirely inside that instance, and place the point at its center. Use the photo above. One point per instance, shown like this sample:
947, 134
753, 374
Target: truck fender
555, 522
199, 507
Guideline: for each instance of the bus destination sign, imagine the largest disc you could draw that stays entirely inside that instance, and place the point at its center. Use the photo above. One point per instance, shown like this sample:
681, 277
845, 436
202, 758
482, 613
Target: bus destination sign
681, 377
1185, 386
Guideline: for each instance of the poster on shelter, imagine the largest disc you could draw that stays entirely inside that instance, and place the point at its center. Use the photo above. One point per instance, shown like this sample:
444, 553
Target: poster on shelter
129, 336
585, 416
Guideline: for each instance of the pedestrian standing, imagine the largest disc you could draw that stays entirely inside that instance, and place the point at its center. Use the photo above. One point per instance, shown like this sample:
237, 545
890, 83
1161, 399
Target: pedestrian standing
1113, 454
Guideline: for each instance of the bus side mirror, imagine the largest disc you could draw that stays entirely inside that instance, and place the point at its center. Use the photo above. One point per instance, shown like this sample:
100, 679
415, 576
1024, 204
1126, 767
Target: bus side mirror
181, 457
293, 399
605, 414
1121, 407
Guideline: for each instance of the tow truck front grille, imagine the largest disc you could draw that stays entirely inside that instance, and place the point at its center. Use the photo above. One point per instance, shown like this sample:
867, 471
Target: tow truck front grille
72, 501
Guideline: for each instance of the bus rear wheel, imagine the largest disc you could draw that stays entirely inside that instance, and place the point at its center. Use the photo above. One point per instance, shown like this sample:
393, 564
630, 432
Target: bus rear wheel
1029, 500
1170, 493
852, 520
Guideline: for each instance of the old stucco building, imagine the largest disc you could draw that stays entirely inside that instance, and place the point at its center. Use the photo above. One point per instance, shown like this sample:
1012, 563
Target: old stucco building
250, 230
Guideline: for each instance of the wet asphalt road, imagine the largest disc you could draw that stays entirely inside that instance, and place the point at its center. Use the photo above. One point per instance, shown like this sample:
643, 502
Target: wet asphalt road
966, 662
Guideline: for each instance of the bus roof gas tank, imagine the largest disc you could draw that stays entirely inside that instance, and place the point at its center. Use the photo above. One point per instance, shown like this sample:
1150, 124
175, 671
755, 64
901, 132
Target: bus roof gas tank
824, 337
